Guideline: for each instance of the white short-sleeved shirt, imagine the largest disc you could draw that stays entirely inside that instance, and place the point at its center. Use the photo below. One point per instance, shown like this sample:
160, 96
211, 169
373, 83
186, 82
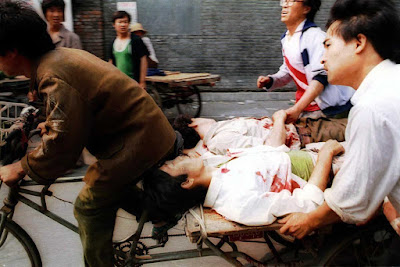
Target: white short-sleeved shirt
371, 168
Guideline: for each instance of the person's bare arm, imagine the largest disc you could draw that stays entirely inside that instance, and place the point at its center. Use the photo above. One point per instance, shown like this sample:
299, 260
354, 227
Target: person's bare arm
301, 224
277, 136
143, 71
314, 89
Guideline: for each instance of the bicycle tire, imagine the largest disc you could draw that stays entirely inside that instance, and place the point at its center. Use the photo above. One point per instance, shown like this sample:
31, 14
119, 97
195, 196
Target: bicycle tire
18, 241
366, 247
189, 101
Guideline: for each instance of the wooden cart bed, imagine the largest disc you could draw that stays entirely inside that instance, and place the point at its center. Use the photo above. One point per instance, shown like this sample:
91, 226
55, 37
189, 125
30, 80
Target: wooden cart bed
217, 226
177, 79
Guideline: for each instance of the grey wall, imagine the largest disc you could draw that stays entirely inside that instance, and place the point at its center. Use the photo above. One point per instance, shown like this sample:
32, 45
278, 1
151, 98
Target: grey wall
238, 39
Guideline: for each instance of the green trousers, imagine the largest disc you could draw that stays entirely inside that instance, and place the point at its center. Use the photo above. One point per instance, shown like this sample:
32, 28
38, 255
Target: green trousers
95, 210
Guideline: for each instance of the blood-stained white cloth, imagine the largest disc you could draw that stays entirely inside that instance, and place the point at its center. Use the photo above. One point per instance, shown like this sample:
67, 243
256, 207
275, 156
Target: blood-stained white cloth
245, 132
371, 168
256, 186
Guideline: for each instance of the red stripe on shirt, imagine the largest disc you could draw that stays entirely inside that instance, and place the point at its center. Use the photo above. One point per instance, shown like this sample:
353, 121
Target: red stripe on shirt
299, 75
300, 90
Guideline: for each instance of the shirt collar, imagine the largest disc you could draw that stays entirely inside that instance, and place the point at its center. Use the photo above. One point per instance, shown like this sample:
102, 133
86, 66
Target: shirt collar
299, 27
213, 189
366, 85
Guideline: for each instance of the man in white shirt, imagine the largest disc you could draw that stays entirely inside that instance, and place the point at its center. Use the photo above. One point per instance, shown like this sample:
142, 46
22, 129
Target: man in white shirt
302, 50
361, 49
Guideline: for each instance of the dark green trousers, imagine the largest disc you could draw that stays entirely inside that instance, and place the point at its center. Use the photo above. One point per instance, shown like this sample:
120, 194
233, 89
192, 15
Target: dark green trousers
95, 210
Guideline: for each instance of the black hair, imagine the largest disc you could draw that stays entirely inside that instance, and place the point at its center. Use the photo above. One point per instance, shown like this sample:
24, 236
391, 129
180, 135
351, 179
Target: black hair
21, 28
378, 20
190, 136
46, 4
314, 5
120, 14
165, 198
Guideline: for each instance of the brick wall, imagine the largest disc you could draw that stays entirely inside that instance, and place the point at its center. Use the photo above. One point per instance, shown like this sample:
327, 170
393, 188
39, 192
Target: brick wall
89, 25
239, 39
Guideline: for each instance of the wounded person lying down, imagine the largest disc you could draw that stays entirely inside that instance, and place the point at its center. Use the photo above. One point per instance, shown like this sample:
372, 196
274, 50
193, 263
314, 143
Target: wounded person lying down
244, 132
254, 188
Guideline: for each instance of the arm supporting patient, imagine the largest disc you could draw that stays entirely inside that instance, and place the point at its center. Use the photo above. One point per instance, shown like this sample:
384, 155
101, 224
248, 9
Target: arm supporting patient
314, 89
320, 175
301, 224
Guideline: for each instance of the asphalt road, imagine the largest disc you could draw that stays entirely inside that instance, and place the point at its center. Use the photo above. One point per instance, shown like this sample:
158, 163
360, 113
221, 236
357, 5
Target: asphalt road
61, 247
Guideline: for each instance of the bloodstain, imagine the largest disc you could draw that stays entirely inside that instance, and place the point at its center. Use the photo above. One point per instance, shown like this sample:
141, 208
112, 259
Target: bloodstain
262, 177
267, 126
277, 184
224, 170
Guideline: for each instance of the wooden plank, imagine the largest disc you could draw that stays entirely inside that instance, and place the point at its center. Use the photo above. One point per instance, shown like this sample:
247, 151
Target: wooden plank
199, 81
176, 77
168, 72
217, 226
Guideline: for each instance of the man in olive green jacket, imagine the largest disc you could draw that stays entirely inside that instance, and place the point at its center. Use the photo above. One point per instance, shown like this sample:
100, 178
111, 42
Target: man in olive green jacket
89, 103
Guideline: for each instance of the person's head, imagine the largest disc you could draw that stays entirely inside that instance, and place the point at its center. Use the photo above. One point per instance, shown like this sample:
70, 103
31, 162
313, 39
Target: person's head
138, 29
295, 11
53, 11
189, 134
361, 33
166, 195
23, 36
121, 20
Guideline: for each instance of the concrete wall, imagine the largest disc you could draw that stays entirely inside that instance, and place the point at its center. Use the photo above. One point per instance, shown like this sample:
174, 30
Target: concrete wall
238, 39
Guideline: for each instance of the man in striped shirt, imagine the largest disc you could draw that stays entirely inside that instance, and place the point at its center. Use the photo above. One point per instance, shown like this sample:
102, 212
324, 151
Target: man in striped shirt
302, 49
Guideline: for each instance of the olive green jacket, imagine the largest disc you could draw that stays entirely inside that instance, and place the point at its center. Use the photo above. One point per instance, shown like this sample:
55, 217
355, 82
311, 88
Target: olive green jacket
90, 103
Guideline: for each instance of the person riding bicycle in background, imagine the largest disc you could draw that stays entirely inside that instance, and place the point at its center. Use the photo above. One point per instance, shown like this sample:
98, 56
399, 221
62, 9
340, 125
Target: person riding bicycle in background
362, 51
302, 50
89, 103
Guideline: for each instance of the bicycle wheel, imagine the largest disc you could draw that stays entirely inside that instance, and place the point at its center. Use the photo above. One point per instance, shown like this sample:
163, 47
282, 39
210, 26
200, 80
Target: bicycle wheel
370, 246
17, 248
188, 100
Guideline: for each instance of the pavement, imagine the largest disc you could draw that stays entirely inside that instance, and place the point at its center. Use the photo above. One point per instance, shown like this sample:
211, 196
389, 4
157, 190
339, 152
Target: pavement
60, 247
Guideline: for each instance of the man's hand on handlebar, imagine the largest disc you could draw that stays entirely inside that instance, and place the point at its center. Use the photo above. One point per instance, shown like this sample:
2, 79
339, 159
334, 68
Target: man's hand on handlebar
42, 127
12, 173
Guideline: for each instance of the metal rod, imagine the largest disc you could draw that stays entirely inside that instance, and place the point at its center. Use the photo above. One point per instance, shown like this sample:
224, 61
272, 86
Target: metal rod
176, 255
49, 214
272, 248
29, 192
222, 254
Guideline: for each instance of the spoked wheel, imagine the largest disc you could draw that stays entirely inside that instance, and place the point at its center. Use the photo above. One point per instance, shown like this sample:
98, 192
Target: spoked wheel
372, 246
155, 95
188, 100
17, 247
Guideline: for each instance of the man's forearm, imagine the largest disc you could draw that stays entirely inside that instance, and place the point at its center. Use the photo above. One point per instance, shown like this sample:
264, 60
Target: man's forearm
314, 89
320, 174
323, 216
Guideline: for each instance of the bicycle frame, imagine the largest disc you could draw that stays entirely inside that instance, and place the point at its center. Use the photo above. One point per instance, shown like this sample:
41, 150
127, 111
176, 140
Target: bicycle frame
135, 255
